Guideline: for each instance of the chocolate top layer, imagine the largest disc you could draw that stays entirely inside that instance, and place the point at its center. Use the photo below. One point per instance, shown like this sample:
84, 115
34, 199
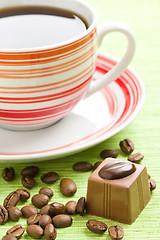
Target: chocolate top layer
116, 170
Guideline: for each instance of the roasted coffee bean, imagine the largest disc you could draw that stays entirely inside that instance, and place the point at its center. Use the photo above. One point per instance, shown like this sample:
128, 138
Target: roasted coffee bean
62, 221
108, 153
96, 164
50, 232
3, 215
116, 232
81, 206
8, 174
49, 177
68, 187
40, 200
152, 184
45, 209
135, 157
34, 219
56, 208
47, 191
24, 194
28, 211
11, 200
82, 166
96, 226
71, 207
14, 213
126, 146
28, 182
16, 231
9, 237
44, 220
31, 171
34, 231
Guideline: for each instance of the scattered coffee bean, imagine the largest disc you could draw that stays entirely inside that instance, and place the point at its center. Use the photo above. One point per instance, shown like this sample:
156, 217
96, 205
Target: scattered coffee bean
9, 237
108, 153
116, 232
31, 171
152, 184
71, 207
40, 200
56, 208
149, 176
50, 232
62, 221
126, 146
45, 209
3, 215
34, 219
16, 231
44, 220
14, 213
34, 231
8, 174
28, 211
96, 164
81, 206
68, 187
24, 194
96, 226
82, 166
135, 157
49, 177
47, 191
11, 200
28, 182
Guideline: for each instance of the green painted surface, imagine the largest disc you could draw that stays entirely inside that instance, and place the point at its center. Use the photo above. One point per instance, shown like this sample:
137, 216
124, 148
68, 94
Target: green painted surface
144, 18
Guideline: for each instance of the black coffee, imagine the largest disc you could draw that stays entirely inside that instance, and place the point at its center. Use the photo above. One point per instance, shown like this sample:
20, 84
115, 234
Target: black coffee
27, 27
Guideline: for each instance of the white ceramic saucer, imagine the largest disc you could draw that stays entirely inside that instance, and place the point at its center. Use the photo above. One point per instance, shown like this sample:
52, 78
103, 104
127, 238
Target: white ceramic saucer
92, 121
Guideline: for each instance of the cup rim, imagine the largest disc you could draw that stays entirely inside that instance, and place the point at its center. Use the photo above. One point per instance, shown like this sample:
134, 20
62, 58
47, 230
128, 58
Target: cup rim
53, 46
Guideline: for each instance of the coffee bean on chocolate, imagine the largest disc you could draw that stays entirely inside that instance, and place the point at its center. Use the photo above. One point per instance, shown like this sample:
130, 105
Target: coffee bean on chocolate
96, 164
11, 200
135, 157
56, 208
82, 166
9, 237
116, 232
49, 177
62, 221
34, 219
28, 182
47, 191
14, 213
44, 220
152, 184
34, 231
68, 187
45, 209
71, 207
24, 194
108, 153
16, 231
81, 206
40, 200
28, 211
3, 215
126, 146
96, 226
31, 171
50, 232
8, 174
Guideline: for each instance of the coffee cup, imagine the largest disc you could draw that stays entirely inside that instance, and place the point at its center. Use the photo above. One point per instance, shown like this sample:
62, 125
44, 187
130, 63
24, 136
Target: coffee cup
39, 85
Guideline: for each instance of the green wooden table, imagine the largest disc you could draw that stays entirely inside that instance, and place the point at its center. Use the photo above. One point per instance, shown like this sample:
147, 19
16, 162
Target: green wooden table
144, 18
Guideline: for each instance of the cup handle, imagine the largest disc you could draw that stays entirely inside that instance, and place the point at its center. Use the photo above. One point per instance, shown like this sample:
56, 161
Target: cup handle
118, 69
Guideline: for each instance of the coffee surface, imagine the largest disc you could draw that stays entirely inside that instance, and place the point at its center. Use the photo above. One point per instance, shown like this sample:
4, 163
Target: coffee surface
27, 27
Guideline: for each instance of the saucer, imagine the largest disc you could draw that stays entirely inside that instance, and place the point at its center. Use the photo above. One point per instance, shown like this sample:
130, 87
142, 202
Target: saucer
92, 121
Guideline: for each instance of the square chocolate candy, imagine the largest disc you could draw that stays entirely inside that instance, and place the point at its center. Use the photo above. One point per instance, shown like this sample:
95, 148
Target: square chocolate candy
118, 190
